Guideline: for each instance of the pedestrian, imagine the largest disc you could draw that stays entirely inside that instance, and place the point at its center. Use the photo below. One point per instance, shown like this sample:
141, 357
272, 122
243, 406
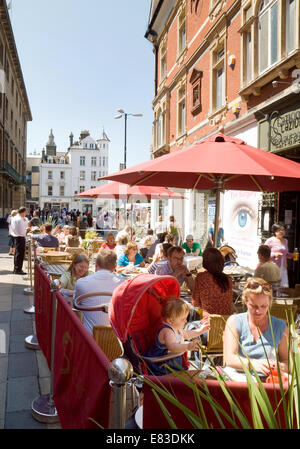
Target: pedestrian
19, 226
10, 237
174, 228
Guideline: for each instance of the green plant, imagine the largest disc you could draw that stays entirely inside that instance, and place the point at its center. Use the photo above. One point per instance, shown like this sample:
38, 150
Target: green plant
263, 413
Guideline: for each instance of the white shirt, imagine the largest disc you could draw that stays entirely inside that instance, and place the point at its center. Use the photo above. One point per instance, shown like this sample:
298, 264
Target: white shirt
18, 226
101, 281
160, 227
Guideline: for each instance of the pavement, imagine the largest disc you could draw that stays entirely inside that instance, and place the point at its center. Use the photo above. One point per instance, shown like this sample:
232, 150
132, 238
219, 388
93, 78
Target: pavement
24, 373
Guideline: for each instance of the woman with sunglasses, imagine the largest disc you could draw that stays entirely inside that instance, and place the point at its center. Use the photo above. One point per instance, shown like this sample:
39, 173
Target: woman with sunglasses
251, 332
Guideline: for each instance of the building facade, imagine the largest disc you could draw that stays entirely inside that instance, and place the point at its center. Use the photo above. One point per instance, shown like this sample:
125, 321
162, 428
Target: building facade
14, 115
230, 66
62, 175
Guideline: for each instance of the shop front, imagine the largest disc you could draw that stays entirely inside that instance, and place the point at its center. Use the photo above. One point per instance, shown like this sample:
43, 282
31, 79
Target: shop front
279, 132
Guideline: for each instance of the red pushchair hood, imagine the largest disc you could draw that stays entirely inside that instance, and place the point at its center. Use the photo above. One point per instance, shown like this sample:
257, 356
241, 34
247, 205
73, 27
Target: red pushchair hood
134, 305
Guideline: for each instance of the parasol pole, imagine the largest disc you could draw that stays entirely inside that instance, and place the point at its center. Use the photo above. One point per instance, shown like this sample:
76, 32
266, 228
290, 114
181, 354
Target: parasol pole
218, 188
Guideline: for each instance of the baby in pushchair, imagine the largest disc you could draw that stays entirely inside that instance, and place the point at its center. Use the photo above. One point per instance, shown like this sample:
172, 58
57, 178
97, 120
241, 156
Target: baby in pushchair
171, 337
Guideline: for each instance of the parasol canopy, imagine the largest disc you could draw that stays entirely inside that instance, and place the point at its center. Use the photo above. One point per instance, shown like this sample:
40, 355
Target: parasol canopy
217, 163
119, 190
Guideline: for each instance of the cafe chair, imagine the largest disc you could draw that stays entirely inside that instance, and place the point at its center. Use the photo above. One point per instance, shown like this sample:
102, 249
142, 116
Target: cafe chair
214, 347
283, 311
105, 337
73, 252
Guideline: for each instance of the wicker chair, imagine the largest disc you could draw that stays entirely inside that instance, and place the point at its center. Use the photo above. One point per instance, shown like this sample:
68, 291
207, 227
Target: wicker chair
74, 251
108, 341
214, 347
283, 311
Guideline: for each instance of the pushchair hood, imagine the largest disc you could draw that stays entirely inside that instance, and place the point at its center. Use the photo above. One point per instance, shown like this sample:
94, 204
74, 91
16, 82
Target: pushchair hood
134, 305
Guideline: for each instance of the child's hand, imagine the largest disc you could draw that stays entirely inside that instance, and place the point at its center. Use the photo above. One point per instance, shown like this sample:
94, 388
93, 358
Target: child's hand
194, 344
205, 324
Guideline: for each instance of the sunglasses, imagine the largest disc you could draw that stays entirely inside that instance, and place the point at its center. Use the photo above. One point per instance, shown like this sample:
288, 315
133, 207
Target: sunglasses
253, 285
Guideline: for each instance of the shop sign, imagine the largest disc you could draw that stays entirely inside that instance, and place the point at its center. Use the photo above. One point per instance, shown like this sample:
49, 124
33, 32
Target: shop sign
285, 130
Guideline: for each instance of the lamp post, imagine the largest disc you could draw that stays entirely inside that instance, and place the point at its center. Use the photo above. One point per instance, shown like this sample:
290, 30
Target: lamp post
124, 114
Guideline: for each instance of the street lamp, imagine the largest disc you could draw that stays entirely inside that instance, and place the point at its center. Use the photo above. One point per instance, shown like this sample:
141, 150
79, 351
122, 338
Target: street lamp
124, 114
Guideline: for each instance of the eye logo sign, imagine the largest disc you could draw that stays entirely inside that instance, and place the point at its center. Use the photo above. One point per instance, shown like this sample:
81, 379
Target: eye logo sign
2, 342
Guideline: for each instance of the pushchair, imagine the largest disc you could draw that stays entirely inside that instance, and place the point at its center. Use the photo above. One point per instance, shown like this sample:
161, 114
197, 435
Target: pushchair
135, 314
228, 254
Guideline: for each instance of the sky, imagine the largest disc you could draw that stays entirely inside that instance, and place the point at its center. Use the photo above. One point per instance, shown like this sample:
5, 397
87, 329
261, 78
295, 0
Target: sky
82, 60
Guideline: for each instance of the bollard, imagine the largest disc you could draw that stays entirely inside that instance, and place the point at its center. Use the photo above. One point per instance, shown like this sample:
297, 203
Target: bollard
120, 372
43, 407
29, 290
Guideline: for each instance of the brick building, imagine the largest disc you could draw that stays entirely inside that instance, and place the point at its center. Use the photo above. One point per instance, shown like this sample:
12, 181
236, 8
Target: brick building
231, 66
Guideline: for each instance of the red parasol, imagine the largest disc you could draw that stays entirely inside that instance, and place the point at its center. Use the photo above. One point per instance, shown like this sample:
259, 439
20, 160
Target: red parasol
217, 163
119, 190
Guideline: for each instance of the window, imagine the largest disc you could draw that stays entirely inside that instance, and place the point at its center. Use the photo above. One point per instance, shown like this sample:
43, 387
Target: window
50, 190
160, 129
94, 161
81, 189
82, 160
163, 63
91, 145
93, 187
195, 81
62, 175
218, 78
62, 190
181, 111
82, 175
50, 174
181, 33
290, 25
267, 34
103, 161
248, 52
93, 176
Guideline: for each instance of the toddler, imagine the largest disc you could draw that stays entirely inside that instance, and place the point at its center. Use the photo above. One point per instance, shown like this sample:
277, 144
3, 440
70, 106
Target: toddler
171, 336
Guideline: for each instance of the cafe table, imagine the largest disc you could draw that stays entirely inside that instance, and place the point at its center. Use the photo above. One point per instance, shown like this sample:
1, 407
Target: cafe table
192, 262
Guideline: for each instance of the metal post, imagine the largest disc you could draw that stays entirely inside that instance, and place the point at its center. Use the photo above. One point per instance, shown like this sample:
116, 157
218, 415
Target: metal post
120, 372
29, 290
43, 407
125, 141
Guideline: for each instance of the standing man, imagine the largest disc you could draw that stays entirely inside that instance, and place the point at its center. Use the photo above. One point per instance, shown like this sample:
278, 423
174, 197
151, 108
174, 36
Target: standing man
19, 226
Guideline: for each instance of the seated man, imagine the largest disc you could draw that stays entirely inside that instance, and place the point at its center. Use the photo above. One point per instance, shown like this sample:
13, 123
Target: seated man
174, 266
47, 240
191, 247
158, 259
103, 280
267, 269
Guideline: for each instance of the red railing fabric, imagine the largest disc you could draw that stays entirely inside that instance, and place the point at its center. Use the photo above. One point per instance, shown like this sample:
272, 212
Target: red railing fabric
43, 311
81, 383
153, 417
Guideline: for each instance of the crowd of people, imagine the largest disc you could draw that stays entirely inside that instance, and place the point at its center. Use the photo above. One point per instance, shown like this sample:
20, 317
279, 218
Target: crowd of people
162, 252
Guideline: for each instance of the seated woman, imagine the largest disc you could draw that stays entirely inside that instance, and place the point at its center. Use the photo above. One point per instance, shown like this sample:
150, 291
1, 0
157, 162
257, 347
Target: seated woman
213, 288
130, 254
110, 242
251, 332
72, 239
121, 245
171, 336
78, 269
59, 234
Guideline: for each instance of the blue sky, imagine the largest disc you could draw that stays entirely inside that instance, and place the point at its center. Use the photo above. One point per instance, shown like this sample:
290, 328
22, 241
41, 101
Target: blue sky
81, 61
